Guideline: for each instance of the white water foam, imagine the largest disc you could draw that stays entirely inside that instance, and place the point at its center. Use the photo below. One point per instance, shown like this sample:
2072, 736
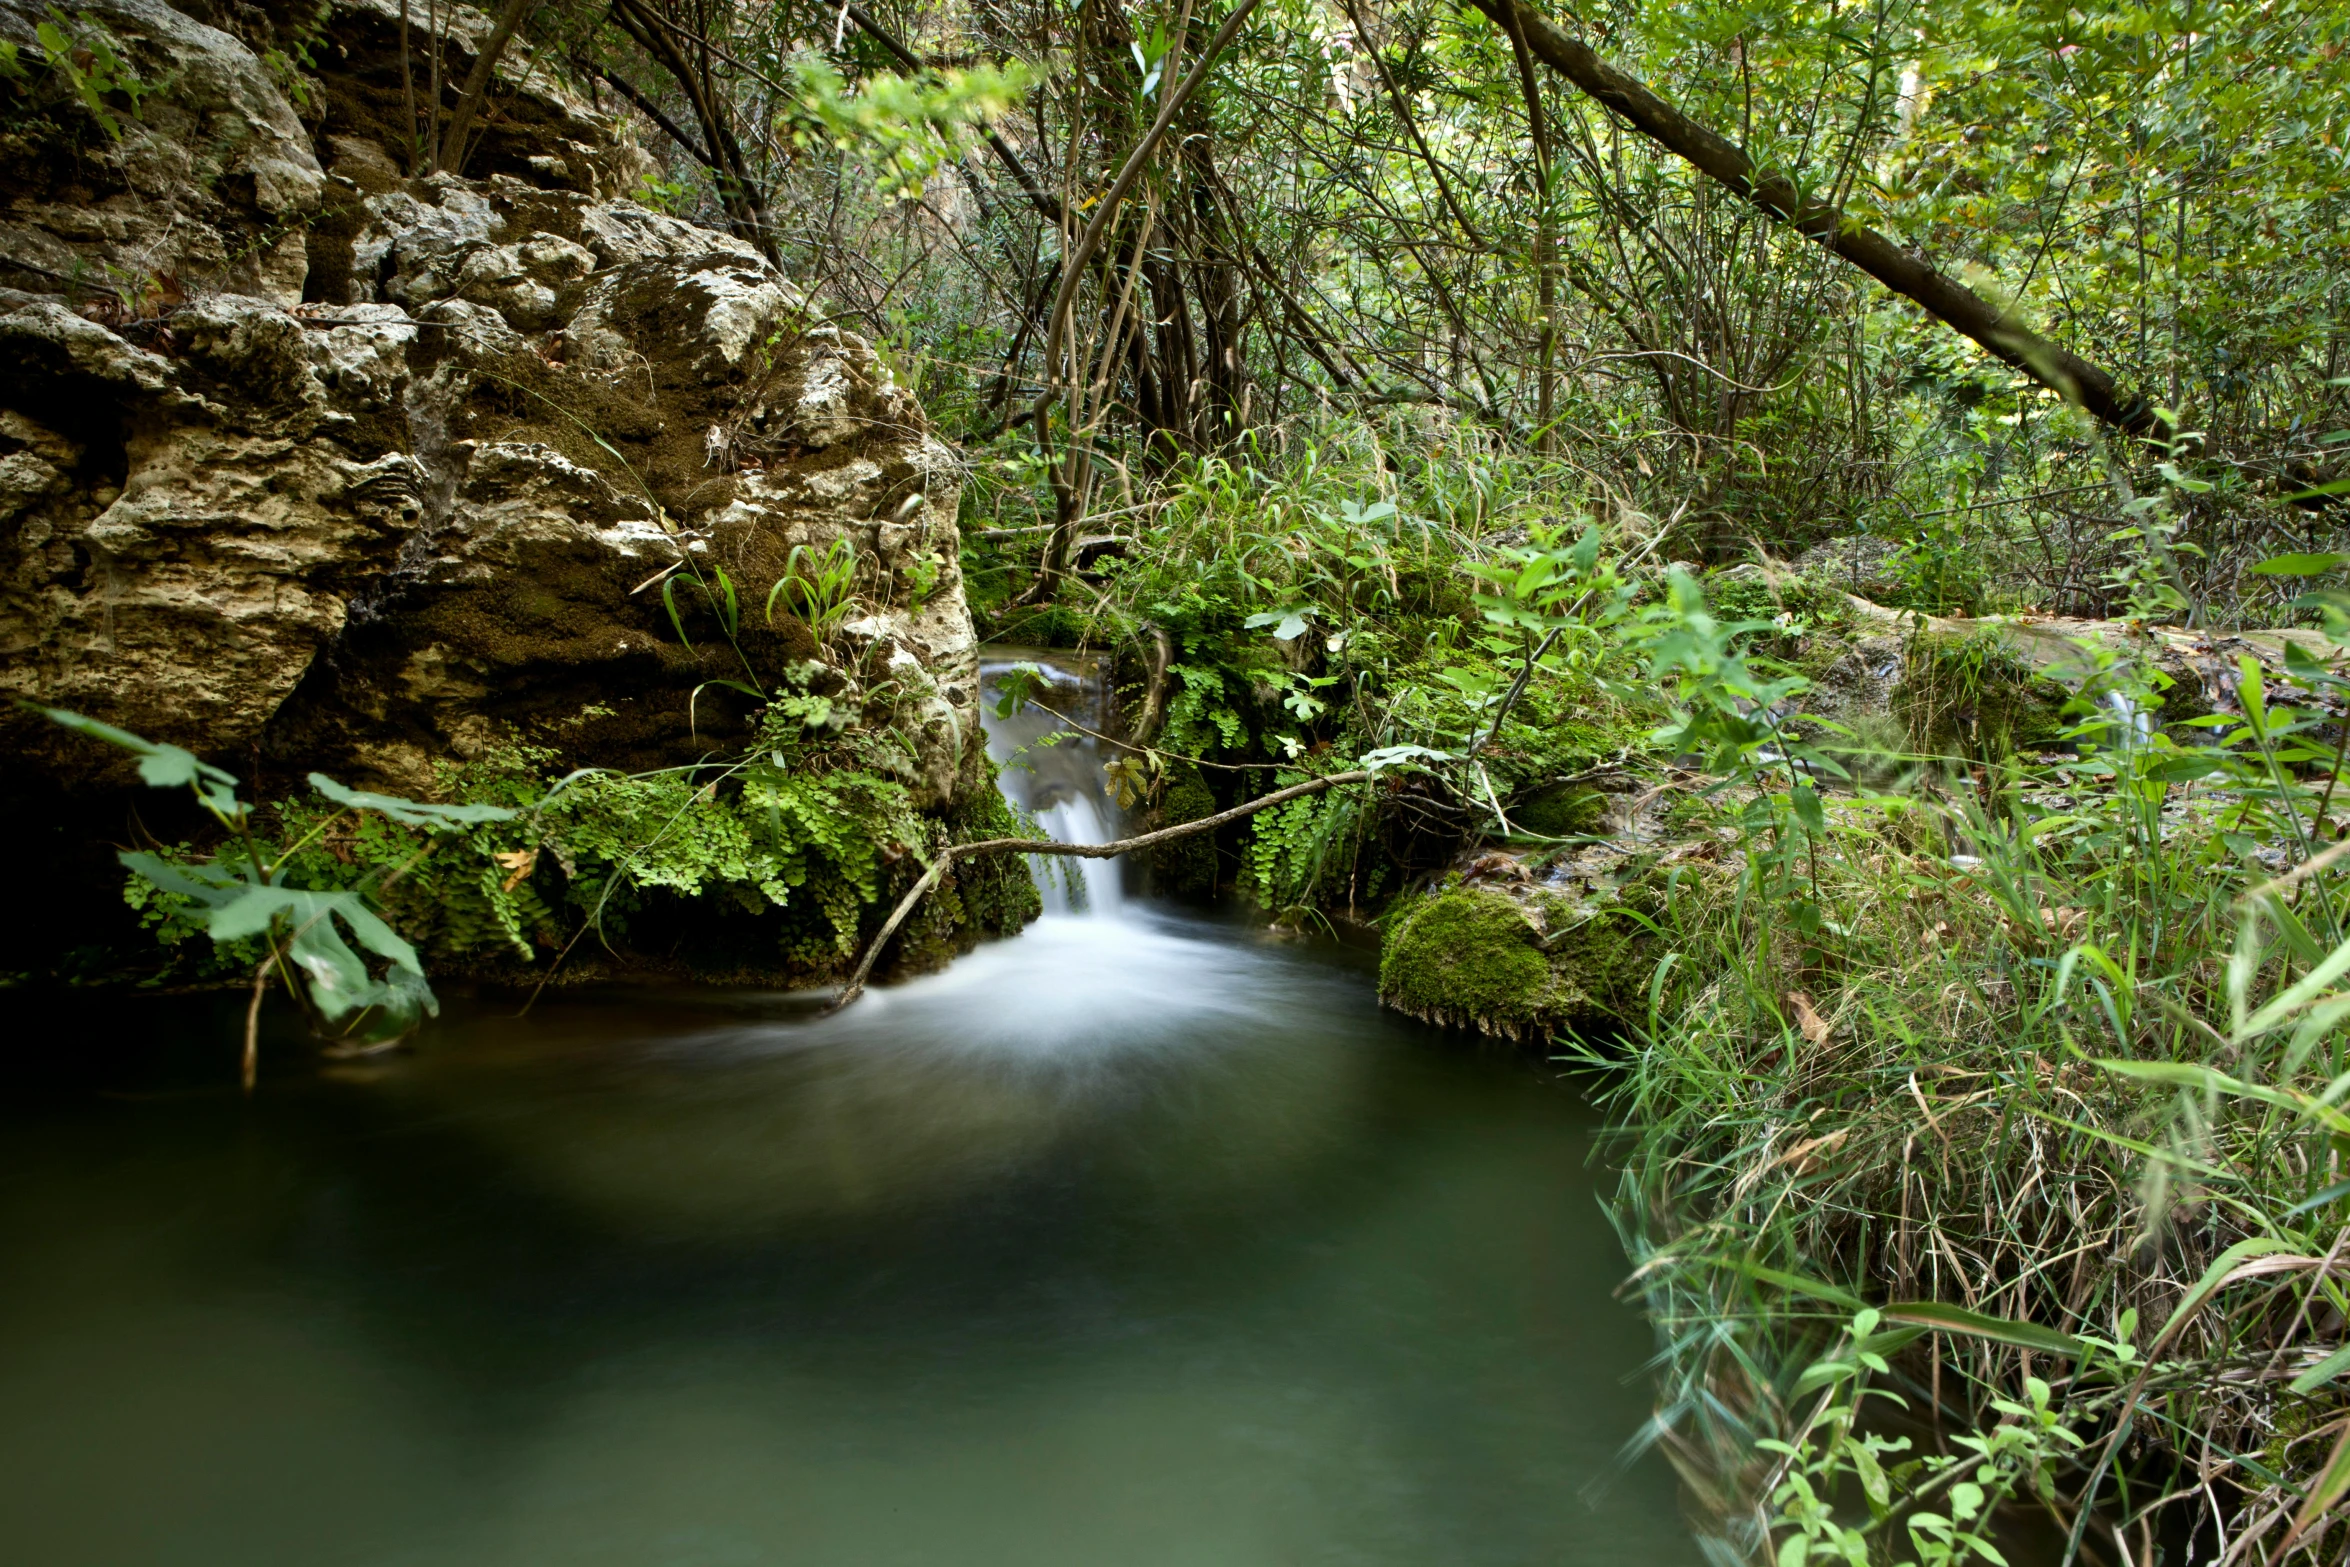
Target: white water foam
1053, 771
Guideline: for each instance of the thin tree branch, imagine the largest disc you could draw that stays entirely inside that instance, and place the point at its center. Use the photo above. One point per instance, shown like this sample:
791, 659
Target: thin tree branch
652, 111
1091, 851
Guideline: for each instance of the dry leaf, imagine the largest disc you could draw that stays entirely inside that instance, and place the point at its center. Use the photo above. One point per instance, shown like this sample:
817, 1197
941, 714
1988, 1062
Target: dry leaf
519, 863
1801, 1155
1815, 1027
2061, 923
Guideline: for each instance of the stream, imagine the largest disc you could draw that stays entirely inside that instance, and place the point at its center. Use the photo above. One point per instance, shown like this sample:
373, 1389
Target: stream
1140, 1240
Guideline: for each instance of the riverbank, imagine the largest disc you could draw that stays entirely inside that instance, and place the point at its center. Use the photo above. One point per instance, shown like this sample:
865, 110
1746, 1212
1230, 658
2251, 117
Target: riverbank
1965, 992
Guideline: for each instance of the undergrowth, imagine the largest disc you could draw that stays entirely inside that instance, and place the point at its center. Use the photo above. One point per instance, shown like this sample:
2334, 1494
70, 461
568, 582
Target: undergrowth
788, 849
1981, 1168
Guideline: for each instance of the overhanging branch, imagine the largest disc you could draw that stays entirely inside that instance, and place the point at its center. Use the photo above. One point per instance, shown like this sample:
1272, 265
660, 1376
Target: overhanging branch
1941, 296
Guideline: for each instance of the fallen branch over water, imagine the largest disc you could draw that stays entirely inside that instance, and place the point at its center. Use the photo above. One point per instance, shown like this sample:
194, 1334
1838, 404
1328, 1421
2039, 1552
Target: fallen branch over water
1091, 851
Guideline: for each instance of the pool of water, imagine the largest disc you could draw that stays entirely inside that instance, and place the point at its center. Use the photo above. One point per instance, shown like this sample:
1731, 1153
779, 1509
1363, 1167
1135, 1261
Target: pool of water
1133, 1242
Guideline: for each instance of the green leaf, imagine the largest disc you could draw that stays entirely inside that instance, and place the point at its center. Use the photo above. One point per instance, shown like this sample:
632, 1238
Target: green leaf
339, 981
161, 766
1398, 755
2324, 1371
1945, 1318
2210, 1080
2251, 692
407, 812
207, 884
1806, 801
2334, 605
376, 936
2306, 668
732, 608
250, 912
2333, 1193
2301, 565
2330, 487
1288, 624
1793, 1283
669, 602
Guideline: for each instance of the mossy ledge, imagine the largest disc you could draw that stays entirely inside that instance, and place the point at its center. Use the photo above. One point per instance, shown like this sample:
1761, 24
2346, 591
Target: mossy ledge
1511, 963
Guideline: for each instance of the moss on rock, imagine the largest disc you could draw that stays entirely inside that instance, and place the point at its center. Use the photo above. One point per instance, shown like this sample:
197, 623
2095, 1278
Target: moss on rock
1602, 952
1471, 958
1975, 695
1519, 963
1186, 867
990, 895
1561, 811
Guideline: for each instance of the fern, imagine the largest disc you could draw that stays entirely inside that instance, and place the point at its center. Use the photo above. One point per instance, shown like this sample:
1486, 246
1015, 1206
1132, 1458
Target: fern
1292, 849
1200, 718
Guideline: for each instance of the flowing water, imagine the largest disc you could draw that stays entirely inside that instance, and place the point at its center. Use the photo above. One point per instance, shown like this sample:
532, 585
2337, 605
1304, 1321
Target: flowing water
1136, 1240
1054, 772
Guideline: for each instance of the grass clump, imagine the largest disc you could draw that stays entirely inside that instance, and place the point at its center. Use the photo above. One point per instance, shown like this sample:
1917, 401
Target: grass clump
1972, 694
1949, 1183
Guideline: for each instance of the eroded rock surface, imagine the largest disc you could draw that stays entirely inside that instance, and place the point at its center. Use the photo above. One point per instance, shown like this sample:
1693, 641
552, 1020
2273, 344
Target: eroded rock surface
306, 462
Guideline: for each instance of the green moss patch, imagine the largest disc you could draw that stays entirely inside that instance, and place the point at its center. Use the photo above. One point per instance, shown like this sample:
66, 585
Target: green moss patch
1561, 811
1186, 867
1603, 953
1471, 959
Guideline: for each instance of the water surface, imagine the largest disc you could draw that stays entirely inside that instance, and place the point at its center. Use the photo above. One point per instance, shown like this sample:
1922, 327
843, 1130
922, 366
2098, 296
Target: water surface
1133, 1242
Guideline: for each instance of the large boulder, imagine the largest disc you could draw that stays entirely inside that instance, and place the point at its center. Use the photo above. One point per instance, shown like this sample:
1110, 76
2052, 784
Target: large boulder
208, 182
308, 462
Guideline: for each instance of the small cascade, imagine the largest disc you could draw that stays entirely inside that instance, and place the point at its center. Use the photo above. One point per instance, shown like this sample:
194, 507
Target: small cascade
1061, 785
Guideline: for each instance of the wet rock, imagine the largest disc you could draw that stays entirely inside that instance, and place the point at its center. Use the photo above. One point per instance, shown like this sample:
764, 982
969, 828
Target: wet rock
1513, 959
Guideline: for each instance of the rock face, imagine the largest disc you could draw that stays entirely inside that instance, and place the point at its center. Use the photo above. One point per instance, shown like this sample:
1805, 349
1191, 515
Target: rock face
306, 463
398, 522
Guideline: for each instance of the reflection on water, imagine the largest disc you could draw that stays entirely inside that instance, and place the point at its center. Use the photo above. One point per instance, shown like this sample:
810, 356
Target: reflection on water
1129, 1242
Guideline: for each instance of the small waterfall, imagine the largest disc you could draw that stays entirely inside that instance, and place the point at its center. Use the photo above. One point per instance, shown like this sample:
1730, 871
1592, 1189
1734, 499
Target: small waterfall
1060, 784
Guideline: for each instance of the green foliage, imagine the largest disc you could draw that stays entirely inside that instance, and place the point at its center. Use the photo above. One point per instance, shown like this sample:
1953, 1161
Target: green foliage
903, 128
758, 837
1203, 717
1837, 1453
2020, 1050
800, 838
819, 587
1297, 850
1973, 695
245, 897
79, 59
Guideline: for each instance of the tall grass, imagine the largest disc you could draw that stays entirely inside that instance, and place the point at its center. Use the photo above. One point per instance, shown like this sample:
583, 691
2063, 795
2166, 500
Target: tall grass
2053, 1082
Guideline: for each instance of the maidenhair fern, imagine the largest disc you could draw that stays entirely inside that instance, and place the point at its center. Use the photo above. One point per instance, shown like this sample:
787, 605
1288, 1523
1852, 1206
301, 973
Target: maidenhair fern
1292, 849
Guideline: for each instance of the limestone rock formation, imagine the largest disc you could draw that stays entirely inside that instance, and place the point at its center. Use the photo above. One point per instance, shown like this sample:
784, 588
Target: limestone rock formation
308, 463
